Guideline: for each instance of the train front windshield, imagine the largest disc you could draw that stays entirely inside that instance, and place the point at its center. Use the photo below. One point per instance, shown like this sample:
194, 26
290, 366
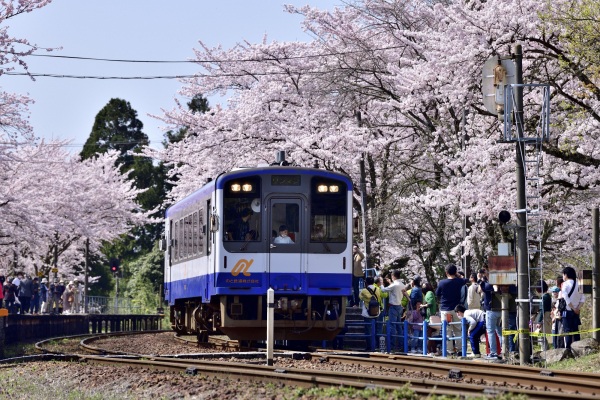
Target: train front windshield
301, 211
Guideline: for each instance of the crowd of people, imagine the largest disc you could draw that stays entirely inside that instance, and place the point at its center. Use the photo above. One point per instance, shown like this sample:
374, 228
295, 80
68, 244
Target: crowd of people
30, 296
474, 299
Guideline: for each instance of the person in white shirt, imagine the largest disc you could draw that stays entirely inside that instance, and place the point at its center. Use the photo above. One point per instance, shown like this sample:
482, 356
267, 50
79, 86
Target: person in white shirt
396, 291
476, 320
569, 292
283, 237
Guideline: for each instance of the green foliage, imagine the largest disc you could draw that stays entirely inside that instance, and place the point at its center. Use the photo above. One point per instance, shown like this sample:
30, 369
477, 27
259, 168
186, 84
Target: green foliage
116, 127
341, 392
145, 282
198, 104
580, 21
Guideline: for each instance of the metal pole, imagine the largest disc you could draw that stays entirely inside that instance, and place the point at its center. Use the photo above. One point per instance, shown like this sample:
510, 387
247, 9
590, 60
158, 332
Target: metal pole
85, 279
55, 262
466, 223
595, 276
363, 204
117, 294
522, 254
363, 201
505, 319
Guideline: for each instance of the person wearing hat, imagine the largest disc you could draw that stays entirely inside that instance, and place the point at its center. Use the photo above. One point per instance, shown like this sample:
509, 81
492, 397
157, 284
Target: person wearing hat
44, 295
241, 225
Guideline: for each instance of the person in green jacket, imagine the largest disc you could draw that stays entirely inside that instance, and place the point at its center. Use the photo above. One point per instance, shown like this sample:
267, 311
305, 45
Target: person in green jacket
430, 304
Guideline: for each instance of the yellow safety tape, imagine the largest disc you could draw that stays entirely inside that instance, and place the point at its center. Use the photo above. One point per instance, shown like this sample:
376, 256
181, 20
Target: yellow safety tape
509, 333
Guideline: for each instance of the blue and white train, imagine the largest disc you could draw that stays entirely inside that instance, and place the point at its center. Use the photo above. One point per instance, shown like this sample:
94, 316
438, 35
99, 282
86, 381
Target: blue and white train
226, 245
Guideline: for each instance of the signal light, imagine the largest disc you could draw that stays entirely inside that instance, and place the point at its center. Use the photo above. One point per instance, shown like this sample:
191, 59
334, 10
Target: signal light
114, 265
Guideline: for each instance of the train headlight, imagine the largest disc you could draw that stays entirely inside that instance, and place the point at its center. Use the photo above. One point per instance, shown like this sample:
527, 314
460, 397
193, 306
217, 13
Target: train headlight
236, 187
322, 188
334, 188
246, 187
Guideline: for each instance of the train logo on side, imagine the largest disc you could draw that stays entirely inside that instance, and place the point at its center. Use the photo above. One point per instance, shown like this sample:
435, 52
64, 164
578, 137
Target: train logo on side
242, 267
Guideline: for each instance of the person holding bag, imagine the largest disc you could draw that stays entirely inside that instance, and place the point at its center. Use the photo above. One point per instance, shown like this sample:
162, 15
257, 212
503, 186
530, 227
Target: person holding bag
370, 290
571, 297
415, 317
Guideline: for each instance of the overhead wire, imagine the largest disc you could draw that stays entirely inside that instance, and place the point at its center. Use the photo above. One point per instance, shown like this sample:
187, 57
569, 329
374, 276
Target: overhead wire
184, 76
329, 54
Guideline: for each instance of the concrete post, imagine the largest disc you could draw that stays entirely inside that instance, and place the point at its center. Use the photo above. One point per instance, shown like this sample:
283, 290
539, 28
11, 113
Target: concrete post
270, 324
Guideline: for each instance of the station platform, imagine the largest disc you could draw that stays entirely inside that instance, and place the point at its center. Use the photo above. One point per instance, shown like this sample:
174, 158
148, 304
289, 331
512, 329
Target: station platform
18, 328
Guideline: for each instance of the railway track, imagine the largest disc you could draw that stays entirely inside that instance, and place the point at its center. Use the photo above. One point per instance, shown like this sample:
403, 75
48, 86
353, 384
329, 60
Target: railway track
324, 378
222, 342
481, 373
423, 375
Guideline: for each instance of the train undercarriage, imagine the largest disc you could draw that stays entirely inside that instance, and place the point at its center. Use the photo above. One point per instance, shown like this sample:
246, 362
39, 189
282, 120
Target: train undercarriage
245, 317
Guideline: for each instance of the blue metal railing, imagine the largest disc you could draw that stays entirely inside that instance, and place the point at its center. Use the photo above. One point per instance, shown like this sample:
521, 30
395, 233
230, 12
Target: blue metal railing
373, 336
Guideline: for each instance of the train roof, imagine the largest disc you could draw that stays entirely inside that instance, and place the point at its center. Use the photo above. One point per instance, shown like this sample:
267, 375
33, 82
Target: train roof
283, 171
205, 190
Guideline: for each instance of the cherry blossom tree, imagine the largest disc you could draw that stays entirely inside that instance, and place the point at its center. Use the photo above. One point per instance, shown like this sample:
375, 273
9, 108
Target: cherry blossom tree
52, 202
411, 70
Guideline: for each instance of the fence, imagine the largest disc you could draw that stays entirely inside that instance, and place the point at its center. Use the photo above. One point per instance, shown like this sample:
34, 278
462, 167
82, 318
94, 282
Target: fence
110, 305
380, 333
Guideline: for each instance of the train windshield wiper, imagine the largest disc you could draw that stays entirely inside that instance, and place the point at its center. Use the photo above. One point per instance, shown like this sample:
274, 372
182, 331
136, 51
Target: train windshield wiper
245, 245
325, 245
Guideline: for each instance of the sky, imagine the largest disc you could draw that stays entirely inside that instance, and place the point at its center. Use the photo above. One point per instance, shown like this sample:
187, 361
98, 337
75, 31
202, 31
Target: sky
134, 30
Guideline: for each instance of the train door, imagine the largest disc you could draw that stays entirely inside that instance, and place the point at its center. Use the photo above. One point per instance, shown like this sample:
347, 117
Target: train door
285, 255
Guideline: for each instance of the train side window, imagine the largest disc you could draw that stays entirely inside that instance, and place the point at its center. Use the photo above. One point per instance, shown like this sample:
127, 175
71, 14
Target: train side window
174, 238
181, 239
195, 233
199, 233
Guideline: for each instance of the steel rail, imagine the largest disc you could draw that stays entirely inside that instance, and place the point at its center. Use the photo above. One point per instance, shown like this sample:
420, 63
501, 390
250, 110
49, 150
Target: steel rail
323, 378
574, 382
39, 346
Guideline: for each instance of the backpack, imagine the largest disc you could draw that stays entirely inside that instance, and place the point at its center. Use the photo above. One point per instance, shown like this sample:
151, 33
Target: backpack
373, 306
562, 303
414, 316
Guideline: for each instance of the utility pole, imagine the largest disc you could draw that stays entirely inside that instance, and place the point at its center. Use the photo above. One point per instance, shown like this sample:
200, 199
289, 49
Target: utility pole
363, 201
85, 283
466, 223
522, 253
